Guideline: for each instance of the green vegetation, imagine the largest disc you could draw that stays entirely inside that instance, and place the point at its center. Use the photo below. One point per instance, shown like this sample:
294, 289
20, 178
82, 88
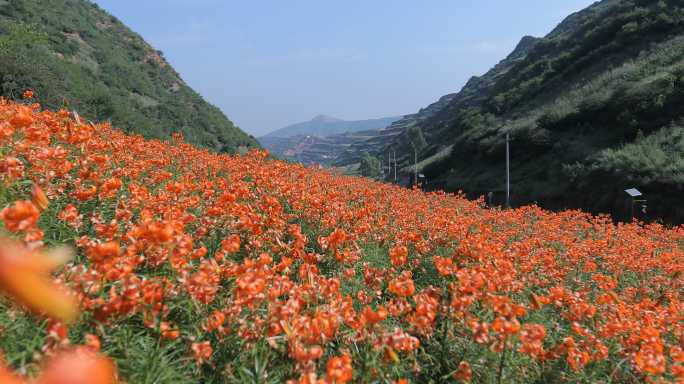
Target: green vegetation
656, 158
593, 108
369, 166
416, 138
76, 56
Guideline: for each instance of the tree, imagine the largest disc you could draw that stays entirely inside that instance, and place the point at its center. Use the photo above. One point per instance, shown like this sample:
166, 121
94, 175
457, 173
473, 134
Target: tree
417, 141
370, 166
416, 138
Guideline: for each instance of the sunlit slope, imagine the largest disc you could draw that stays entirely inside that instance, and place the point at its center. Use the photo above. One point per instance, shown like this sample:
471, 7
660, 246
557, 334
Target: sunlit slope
75, 55
192, 267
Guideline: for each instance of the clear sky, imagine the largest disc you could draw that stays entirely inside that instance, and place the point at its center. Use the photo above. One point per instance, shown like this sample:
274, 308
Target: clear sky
270, 63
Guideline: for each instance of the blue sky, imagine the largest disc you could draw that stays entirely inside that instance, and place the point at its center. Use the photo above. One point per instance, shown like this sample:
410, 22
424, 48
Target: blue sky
270, 63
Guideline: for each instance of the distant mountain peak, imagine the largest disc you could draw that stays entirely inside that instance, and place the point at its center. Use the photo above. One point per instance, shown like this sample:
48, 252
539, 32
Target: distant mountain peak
325, 119
322, 139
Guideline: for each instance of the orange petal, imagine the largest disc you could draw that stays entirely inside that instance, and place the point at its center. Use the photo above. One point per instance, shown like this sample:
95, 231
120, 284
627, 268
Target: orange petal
7, 377
79, 366
24, 275
38, 198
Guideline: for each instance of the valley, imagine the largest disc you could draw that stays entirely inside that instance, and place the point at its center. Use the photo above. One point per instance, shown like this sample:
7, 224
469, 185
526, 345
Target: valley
145, 238
323, 139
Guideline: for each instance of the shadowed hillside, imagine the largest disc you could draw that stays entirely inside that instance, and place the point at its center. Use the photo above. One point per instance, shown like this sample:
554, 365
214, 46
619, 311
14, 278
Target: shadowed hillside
593, 108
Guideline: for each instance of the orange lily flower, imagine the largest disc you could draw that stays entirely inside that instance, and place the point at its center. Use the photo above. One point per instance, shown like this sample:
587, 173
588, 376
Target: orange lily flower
38, 198
79, 366
25, 276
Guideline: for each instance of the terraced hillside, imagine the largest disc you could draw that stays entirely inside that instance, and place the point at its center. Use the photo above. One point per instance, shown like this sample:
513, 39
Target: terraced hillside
322, 139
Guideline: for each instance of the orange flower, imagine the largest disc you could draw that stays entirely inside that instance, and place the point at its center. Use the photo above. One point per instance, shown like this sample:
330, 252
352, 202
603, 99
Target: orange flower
302, 354
20, 216
443, 265
168, 331
201, 352
28, 94
373, 317
231, 244
24, 275
7, 377
464, 372
402, 285
85, 193
110, 187
398, 255
531, 339
402, 341
480, 331
215, 321
23, 117
504, 326
93, 342
339, 369
78, 366
70, 215
104, 251
38, 198
650, 359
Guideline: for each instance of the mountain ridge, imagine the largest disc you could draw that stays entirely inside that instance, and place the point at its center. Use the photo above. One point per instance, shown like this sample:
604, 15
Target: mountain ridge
324, 125
325, 119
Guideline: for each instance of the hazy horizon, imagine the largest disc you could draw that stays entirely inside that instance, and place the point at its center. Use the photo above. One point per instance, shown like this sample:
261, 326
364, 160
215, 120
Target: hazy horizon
270, 64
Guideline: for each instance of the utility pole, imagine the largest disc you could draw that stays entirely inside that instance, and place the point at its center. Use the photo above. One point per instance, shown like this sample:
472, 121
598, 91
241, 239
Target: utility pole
394, 154
508, 172
389, 164
415, 166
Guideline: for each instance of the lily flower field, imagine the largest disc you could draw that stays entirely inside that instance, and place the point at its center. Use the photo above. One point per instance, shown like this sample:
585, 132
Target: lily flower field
130, 260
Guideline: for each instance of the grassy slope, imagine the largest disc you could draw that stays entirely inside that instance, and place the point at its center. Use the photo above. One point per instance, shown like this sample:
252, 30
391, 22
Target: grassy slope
77, 56
607, 76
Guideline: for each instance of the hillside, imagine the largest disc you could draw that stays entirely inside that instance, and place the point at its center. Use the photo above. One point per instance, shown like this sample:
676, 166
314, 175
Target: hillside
322, 139
593, 109
312, 150
393, 133
76, 56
